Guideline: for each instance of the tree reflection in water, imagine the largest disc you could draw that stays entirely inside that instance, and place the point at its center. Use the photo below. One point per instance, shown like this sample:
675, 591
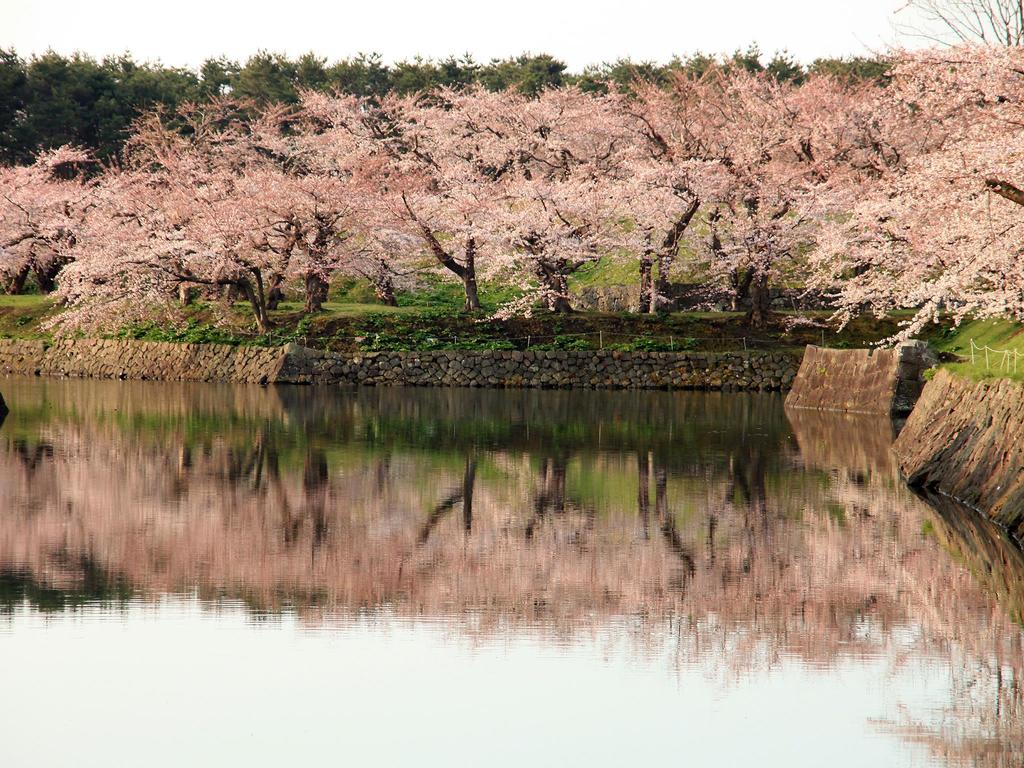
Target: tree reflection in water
710, 521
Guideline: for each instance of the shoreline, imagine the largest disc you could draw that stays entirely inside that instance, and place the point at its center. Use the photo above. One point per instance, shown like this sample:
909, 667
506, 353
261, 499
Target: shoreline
962, 439
293, 364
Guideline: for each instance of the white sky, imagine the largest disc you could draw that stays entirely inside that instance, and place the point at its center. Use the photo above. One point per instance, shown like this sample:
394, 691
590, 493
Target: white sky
580, 32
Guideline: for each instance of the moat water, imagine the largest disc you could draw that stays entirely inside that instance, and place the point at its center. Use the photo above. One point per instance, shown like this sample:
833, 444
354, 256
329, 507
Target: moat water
207, 575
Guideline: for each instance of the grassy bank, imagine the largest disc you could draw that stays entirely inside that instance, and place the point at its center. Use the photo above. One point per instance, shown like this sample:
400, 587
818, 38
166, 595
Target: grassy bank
1004, 340
349, 325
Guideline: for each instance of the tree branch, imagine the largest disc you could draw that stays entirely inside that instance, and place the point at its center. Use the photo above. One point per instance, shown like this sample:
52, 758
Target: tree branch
1005, 189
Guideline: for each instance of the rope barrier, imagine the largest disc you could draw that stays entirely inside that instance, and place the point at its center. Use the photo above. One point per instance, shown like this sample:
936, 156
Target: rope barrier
1007, 357
600, 336
611, 337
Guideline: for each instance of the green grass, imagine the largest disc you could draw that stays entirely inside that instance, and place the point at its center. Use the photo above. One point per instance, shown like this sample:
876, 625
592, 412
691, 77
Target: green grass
996, 334
622, 271
432, 318
25, 301
352, 309
607, 272
21, 316
999, 334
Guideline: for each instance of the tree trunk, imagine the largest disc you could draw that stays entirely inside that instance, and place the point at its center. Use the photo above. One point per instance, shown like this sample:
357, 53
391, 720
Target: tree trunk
186, 294
667, 256
275, 292
257, 302
646, 264
469, 278
263, 323
46, 274
1005, 189
385, 290
316, 292
472, 303
559, 304
552, 275
760, 302
263, 320
740, 287
465, 272
660, 301
15, 285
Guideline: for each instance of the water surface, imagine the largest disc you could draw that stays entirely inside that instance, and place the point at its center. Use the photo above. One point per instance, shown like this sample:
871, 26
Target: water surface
197, 574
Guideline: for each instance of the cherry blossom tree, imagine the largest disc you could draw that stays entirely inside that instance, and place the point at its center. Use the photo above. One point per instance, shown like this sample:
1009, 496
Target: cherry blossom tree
902, 196
770, 161
414, 177
42, 206
558, 169
773, 147
939, 232
317, 216
667, 177
215, 205
532, 185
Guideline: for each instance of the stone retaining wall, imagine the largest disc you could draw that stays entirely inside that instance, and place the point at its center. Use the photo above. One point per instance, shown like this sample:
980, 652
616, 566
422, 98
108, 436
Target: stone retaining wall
592, 369
156, 361
113, 359
886, 381
966, 439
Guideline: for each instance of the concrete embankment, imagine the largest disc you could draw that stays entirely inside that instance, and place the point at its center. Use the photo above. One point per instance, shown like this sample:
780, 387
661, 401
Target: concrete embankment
124, 359
965, 439
885, 381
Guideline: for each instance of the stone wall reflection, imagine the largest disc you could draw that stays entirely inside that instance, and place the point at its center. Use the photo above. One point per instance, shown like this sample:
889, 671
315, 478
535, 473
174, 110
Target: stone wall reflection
963, 580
